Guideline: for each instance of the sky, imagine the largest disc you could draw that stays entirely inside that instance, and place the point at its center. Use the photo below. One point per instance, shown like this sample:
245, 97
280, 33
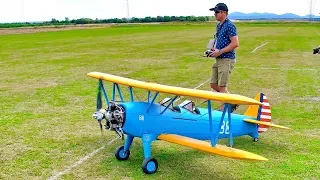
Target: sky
45, 10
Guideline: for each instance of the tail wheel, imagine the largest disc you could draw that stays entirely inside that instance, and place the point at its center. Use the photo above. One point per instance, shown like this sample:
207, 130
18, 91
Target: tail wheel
149, 165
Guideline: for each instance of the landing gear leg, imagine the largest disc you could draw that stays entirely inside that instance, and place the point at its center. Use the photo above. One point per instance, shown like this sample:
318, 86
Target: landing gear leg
149, 164
122, 152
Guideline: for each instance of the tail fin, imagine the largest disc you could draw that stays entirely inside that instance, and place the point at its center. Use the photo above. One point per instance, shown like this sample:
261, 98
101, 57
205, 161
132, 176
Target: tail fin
262, 112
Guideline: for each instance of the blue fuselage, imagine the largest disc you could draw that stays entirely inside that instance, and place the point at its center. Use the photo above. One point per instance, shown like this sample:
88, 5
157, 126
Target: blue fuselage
143, 118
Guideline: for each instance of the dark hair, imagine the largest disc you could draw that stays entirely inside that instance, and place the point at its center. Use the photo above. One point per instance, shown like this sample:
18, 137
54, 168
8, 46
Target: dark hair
316, 50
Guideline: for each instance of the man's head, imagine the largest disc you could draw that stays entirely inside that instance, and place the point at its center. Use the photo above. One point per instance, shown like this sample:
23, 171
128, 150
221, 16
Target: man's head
220, 11
316, 50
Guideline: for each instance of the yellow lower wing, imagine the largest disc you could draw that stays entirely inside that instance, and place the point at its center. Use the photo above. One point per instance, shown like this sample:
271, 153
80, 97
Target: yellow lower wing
264, 123
206, 147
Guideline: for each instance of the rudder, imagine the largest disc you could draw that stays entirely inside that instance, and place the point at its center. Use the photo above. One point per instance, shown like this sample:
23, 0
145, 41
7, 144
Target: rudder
262, 112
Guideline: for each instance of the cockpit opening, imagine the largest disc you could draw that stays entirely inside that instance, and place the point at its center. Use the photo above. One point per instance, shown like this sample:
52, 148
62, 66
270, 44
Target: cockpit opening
187, 105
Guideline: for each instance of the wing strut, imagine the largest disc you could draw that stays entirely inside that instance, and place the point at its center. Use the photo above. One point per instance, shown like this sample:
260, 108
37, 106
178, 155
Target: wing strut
226, 126
149, 94
228, 106
131, 94
101, 86
171, 102
210, 115
153, 99
115, 85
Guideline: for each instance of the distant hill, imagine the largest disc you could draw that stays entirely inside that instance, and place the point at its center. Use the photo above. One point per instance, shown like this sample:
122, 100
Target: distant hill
253, 16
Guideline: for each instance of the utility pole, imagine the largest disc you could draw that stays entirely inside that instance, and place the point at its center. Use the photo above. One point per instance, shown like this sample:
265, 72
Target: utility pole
22, 12
128, 15
311, 10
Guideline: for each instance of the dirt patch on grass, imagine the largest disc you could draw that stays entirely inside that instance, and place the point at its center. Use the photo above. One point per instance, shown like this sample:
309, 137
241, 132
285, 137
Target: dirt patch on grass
25, 30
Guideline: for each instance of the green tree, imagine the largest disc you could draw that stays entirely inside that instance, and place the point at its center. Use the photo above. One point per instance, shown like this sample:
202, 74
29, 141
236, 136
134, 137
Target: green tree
54, 21
67, 20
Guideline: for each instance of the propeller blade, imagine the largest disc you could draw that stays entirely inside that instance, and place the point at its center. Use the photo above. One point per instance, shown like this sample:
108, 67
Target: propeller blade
99, 99
100, 125
101, 130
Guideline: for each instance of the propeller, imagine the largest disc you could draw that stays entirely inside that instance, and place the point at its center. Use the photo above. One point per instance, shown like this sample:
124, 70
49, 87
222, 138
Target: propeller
114, 115
98, 115
99, 99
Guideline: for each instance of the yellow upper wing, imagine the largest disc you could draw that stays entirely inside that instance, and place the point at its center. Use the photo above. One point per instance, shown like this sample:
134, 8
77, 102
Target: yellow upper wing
206, 147
222, 97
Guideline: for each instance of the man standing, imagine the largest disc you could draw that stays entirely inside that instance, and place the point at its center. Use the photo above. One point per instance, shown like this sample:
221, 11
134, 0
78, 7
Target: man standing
223, 50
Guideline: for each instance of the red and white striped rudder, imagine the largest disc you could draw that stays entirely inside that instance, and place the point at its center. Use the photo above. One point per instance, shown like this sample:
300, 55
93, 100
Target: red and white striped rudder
264, 114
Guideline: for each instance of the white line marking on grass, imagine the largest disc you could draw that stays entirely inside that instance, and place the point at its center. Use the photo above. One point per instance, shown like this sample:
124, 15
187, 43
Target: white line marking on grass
82, 160
201, 84
284, 69
259, 46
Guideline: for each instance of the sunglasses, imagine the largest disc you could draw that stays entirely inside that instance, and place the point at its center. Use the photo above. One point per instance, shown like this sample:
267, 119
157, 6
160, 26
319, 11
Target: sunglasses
217, 12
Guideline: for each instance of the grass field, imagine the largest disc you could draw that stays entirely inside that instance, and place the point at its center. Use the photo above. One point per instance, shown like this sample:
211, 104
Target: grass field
47, 100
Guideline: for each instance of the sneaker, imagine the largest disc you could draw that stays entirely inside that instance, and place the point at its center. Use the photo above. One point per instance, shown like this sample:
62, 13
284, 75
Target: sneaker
234, 107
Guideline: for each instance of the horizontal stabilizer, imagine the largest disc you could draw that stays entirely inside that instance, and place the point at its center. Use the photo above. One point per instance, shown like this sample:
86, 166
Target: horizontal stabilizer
264, 123
206, 147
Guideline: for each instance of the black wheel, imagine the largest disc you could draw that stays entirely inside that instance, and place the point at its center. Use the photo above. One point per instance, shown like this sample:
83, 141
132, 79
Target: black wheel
149, 165
255, 139
121, 154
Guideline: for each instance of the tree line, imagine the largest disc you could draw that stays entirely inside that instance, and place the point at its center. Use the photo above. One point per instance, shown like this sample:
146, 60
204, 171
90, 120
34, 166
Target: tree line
148, 19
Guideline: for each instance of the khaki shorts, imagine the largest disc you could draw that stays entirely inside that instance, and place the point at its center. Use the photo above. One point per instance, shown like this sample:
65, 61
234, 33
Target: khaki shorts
221, 71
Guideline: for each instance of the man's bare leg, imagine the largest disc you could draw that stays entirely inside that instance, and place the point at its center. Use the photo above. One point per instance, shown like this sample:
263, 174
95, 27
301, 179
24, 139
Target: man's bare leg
215, 87
233, 106
223, 89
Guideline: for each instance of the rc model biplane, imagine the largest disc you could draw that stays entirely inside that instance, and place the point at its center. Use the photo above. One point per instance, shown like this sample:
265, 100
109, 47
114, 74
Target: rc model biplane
183, 124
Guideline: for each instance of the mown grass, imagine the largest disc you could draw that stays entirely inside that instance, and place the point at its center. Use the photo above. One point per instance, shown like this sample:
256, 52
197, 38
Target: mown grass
47, 99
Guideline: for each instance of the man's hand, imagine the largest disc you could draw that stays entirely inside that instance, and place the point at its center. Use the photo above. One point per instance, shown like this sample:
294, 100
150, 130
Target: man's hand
215, 53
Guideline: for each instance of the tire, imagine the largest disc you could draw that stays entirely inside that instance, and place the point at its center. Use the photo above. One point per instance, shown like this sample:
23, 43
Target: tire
149, 165
121, 154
